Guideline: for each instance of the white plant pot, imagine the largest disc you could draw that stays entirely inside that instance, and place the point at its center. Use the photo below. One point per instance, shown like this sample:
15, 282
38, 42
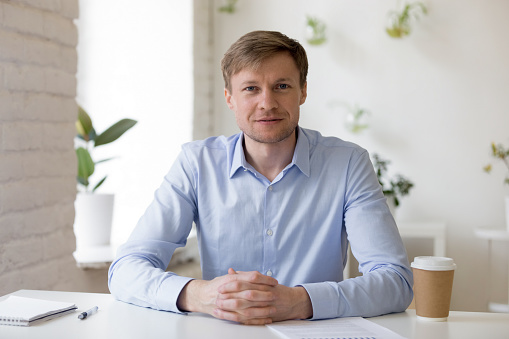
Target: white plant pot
93, 220
392, 205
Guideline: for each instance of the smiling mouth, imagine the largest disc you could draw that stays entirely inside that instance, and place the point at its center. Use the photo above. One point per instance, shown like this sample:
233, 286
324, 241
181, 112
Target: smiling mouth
268, 120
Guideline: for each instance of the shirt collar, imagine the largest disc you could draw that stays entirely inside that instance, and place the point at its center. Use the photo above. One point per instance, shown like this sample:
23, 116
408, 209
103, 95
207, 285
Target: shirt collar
300, 156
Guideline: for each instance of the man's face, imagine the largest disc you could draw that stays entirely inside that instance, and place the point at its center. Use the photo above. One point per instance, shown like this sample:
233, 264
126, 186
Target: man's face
266, 101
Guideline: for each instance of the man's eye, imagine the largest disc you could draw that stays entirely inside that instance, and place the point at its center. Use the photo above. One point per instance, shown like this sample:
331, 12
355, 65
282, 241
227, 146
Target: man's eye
250, 88
282, 86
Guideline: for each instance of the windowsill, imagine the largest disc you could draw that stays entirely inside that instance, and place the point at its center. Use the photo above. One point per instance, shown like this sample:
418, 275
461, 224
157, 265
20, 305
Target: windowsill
98, 257
101, 257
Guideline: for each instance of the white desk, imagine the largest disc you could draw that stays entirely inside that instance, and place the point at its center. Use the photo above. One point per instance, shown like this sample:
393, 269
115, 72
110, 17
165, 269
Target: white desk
494, 235
116, 319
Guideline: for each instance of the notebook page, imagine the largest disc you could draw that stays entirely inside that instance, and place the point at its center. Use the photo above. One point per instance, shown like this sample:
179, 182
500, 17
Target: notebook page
27, 309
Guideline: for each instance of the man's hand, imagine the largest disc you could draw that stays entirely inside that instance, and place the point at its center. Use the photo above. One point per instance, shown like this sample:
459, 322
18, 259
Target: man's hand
261, 304
246, 297
201, 295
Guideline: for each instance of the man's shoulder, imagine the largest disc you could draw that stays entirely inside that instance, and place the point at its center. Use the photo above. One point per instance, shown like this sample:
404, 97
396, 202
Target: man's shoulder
211, 144
330, 143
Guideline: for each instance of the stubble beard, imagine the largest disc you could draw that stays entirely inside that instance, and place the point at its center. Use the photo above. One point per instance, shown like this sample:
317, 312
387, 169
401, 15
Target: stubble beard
281, 136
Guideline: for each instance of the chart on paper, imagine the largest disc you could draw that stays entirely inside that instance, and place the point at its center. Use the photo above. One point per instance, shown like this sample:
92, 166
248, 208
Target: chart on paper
342, 328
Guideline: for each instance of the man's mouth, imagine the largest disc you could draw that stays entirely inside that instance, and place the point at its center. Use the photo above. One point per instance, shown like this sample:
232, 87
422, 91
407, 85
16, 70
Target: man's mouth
269, 120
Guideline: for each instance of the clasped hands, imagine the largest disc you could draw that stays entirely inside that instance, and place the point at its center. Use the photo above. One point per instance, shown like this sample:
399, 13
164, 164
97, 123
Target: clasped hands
246, 297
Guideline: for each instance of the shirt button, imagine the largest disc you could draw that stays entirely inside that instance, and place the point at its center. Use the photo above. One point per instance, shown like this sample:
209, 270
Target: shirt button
270, 188
269, 273
269, 232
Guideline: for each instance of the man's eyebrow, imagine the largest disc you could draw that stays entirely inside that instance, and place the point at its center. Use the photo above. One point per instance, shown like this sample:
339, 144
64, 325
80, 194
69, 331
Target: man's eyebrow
284, 80
249, 82
254, 82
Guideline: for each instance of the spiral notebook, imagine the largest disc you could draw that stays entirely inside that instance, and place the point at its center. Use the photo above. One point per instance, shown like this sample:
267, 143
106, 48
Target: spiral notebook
21, 311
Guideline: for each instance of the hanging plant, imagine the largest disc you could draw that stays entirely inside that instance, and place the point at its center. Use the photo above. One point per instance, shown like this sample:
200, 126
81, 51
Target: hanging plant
356, 119
501, 153
399, 26
315, 31
228, 7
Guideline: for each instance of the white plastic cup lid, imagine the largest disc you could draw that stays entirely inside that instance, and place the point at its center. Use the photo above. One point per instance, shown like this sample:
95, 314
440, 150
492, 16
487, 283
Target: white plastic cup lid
434, 263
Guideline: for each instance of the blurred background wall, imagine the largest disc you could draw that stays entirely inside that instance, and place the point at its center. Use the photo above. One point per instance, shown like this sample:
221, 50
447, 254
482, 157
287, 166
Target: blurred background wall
436, 98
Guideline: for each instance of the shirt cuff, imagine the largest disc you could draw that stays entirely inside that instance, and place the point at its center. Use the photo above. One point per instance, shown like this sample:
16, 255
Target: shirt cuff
324, 300
169, 291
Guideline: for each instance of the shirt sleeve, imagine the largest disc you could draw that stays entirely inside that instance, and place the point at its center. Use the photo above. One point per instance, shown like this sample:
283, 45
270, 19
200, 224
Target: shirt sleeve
138, 273
386, 282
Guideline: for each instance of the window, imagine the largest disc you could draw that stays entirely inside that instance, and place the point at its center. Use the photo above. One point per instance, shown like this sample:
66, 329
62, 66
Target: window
135, 61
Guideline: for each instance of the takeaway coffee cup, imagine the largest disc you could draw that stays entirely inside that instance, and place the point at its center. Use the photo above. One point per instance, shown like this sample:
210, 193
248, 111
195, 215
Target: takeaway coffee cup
433, 278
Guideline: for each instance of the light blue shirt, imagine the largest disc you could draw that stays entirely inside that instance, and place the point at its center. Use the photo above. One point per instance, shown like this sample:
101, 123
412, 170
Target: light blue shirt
295, 228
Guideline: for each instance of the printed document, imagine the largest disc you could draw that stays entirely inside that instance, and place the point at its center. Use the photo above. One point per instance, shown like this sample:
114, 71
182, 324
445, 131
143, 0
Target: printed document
341, 328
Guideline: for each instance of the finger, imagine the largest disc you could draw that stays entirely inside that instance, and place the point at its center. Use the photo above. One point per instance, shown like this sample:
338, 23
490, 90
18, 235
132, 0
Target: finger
231, 271
249, 294
255, 312
253, 277
240, 304
242, 286
253, 317
258, 321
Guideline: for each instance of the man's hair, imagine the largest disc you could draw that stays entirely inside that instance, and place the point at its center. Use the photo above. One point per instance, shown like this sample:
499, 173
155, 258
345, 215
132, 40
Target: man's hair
252, 48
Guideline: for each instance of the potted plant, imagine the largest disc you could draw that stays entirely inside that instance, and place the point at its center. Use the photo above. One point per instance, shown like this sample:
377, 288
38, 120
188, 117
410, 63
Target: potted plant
399, 26
502, 153
94, 212
393, 188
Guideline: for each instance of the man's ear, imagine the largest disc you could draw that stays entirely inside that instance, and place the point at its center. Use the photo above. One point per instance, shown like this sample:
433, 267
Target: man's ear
228, 98
303, 93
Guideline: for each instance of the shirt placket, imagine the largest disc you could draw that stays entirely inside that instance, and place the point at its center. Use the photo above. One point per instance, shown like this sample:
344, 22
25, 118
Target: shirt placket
269, 231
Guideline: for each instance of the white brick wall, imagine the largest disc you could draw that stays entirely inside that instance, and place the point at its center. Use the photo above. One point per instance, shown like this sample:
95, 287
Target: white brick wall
37, 161
203, 45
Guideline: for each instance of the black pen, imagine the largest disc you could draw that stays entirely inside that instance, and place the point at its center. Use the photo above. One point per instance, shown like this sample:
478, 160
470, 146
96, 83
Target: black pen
88, 313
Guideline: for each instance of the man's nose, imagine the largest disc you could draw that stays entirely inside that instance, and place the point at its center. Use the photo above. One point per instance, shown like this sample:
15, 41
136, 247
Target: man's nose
268, 101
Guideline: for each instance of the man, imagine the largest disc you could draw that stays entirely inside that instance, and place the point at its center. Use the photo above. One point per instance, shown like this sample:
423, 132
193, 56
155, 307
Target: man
274, 207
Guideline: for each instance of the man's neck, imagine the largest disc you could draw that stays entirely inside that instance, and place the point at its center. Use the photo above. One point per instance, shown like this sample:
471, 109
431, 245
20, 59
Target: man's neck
269, 159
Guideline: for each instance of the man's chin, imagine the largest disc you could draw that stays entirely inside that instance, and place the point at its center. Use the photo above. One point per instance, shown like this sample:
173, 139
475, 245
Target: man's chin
270, 138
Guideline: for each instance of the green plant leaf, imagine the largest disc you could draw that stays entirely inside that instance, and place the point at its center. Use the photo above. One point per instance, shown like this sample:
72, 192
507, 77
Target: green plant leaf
82, 181
229, 7
317, 30
114, 132
400, 21
397, 187
79, 129
104, 160
86, 165
394, 32
84, 124
99, 184
502, 153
